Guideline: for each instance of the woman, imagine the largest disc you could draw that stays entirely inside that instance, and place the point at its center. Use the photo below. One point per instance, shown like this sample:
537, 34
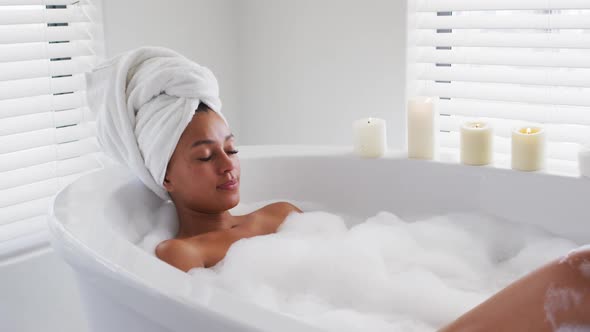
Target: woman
159, 113
203, 180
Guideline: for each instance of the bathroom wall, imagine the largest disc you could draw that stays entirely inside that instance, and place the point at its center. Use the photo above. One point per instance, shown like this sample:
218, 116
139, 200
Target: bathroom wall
290, 72
202, 30
309, 68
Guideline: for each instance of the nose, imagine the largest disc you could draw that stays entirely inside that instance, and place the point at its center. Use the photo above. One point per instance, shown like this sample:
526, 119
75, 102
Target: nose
226, 163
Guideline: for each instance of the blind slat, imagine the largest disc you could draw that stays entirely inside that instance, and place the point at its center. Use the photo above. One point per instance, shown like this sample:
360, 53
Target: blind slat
44, 154
41, 86
26, 210
517, 111
578, 77
40, 104
508, 92
28, 192
36, 51
36, 207
39, 14
510, 57
29, 140
517, 21
30, 33
468, 38
39, 2
23, 228
43, 172
43, 68
33, 122
480, 5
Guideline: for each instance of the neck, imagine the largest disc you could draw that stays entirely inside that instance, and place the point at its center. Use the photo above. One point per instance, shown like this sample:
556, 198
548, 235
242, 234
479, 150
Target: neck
193, 222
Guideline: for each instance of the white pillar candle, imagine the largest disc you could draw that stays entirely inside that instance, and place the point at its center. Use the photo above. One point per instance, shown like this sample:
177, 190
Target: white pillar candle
476, 143
370, 137
421, 128
528, 149
584, 161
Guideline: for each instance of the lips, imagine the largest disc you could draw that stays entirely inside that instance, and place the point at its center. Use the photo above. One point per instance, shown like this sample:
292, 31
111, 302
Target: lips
229, 185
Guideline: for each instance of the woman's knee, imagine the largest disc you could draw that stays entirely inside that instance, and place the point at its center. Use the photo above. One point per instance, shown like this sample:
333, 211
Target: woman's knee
579, 261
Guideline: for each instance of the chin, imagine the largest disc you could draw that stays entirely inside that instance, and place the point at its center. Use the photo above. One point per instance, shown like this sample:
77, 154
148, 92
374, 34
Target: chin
231, 201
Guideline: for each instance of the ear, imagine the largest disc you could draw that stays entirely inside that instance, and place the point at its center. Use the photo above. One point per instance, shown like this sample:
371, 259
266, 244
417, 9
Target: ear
167, 184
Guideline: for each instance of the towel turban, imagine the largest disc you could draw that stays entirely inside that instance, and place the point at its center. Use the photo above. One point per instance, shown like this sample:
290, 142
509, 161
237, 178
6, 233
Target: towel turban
143, 100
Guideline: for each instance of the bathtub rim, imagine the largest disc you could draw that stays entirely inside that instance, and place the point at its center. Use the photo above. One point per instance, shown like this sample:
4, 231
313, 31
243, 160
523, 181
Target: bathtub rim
253, 152
17, 240
73, 250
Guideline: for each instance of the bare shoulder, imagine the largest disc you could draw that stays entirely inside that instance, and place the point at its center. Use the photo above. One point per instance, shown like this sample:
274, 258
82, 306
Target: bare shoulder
283, 208
180, 254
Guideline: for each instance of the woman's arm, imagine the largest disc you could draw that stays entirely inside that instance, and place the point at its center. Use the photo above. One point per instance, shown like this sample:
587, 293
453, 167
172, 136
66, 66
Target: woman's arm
203, 250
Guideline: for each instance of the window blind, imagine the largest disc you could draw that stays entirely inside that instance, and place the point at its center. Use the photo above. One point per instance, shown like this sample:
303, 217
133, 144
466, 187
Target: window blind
510, 63
47, 133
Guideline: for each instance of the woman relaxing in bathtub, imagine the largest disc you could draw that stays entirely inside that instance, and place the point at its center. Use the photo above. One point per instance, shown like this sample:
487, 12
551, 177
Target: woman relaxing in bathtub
203, 179
159, 113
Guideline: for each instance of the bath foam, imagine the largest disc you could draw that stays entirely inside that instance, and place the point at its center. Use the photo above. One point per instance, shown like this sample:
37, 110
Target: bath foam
583, 266
575, 251
560, 299
573, 328
164, 225
384, 274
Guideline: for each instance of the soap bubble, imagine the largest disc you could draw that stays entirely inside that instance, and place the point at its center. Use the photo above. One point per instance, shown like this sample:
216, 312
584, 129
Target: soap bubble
382, 274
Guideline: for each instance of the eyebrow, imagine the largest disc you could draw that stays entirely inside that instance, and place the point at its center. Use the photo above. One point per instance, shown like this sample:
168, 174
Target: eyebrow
208, 141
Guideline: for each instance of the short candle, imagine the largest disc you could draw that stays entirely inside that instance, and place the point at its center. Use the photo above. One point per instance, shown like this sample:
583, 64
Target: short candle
476, 143
528, 149
370, 137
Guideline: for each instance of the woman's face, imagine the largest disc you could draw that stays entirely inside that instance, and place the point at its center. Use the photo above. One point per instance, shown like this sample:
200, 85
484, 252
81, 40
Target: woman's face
204, 160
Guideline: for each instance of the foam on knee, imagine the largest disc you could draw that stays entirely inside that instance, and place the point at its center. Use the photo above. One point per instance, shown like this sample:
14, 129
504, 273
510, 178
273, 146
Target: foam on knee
558, 299
579, 258
573, 328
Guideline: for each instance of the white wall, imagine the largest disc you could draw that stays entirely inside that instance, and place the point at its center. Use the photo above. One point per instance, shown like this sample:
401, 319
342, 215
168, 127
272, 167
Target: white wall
309, 68
38, 291
290, 71
202, 30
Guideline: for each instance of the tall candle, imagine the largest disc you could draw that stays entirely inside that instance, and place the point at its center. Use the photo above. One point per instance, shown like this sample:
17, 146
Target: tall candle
370, 137
421, 128
476, 143
528, 149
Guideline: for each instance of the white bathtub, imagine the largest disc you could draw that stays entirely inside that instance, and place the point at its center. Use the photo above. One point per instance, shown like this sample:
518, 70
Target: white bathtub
125, 289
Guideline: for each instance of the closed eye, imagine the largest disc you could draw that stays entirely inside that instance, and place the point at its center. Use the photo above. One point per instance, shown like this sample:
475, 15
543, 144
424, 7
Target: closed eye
211, 156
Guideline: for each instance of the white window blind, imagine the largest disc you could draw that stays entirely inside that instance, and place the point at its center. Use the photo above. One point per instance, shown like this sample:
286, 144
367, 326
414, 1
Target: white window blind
511, 63
47, 134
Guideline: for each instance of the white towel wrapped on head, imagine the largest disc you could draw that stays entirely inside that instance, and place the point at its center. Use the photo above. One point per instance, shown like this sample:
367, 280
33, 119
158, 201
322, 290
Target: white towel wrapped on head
144, 99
